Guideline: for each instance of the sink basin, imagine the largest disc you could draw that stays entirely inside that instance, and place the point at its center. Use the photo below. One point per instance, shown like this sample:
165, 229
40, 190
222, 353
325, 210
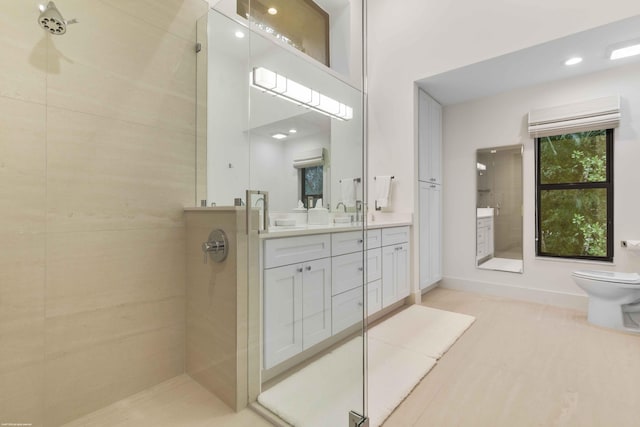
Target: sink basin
484, 212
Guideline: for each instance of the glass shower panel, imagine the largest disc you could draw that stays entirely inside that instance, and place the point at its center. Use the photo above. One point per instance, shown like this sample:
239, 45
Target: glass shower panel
276, 116
304, 118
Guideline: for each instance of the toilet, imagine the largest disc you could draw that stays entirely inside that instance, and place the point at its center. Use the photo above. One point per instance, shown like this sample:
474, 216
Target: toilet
614, 298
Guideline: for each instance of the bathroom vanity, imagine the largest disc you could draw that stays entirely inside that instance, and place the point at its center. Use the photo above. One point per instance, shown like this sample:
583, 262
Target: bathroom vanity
313, 287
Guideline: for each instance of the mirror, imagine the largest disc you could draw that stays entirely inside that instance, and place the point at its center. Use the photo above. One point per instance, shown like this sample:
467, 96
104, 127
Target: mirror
499, 208
254, 137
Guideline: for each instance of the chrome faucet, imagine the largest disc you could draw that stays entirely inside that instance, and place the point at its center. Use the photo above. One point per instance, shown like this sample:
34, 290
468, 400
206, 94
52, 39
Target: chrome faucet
344, 207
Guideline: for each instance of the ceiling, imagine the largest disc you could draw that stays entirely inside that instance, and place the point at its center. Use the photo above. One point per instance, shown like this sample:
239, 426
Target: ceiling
534, 65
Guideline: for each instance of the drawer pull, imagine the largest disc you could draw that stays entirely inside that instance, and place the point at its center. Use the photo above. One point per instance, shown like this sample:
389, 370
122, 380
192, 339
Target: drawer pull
308, 268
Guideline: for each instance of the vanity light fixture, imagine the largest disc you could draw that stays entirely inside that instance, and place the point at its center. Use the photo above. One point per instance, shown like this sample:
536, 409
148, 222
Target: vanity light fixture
292, 131
272, 11
269, 81
481, 166
625, 52
239, 34
279, 136
573, 61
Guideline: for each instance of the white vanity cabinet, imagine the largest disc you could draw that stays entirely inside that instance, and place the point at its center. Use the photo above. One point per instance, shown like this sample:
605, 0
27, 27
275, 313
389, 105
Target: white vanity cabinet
314, 285
296, 298
395, 264
484, 238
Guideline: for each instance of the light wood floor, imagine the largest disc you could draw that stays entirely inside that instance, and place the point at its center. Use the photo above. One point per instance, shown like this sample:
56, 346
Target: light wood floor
523, 364
520, 364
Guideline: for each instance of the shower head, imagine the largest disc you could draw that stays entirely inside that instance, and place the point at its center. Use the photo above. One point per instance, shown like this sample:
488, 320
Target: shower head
51, 19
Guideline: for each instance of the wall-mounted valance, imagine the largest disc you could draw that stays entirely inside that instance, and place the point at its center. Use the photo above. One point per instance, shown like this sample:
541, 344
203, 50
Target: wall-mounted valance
600, 113
307, 159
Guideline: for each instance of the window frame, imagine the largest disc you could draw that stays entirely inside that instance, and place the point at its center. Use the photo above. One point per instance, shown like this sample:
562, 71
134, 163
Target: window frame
608, 185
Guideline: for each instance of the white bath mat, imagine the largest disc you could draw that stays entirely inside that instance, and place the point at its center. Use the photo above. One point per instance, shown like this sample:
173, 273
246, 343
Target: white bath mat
401, 351
422, 329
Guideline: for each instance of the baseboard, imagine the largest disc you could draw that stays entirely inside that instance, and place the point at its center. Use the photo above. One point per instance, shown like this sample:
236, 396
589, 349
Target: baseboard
540, 296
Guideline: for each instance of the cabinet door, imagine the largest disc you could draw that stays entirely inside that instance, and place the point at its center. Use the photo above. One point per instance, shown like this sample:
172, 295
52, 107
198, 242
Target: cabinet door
316, 302
401, 259
389, 290
429, 139
435, 233
374, 264
430, 244
282, 313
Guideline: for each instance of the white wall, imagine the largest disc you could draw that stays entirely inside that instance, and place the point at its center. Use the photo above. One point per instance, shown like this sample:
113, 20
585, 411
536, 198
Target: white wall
417, 39
501, 120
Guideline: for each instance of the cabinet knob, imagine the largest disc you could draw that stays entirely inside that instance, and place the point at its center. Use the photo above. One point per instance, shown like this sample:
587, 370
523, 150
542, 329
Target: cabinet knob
360, 268
299, 269
360, 241
360, 304
308, 268
399, 248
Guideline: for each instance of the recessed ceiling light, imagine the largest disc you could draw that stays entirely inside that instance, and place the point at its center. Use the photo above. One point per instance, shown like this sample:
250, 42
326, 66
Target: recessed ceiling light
239, 34
272, 11
292, 131
625, 52
573, 61
278, 136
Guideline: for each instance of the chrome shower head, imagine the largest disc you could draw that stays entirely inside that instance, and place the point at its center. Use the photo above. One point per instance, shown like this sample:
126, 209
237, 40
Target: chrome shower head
51, 19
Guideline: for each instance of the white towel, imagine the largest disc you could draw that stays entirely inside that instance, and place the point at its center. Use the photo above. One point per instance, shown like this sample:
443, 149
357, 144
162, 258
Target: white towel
348, 192
383, 191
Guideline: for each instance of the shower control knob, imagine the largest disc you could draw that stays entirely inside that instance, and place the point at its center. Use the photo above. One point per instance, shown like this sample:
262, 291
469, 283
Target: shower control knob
217, 247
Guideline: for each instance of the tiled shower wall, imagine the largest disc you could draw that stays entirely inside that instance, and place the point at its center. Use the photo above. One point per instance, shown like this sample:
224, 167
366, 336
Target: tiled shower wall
97, 160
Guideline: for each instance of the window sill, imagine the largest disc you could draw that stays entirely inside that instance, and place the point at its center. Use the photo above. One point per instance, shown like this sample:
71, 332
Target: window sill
576, 261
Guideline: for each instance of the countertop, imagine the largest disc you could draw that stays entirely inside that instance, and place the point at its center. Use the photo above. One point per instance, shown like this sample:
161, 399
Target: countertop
304, 230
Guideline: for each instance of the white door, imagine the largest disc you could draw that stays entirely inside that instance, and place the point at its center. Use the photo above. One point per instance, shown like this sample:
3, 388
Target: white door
282, 313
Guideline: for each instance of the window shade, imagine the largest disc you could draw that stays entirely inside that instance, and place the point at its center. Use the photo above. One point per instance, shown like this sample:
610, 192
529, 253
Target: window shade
600, 113
309, 158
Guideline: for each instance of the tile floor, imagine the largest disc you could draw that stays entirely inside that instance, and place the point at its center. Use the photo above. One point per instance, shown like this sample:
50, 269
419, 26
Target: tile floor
524, 364
520, 364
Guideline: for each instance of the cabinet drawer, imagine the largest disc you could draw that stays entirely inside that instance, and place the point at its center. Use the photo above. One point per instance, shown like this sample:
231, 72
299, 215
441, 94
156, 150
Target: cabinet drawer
344, 243
346, 272
374, 238
291, 250
374, 264
346, 309
374, 297
393, 235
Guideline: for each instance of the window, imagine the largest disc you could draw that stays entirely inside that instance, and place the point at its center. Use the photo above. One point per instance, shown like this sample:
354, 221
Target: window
311, 185
574, 203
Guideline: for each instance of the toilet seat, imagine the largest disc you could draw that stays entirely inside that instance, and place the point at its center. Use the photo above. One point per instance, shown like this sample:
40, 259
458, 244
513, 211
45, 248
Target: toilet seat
609, 276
